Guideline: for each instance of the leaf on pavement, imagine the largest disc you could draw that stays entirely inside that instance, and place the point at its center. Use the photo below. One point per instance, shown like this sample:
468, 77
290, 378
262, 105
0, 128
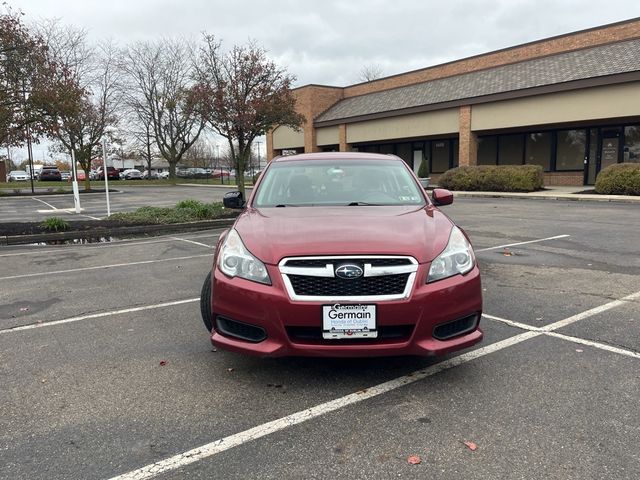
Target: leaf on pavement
470, 445
414, 460
163, 363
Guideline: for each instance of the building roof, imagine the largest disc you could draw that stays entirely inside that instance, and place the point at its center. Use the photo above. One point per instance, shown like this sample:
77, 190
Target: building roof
590, 63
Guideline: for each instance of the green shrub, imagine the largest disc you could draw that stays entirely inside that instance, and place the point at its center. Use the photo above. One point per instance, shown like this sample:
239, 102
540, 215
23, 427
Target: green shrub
55, 224
491, 178
184, 211
619, 179
423, 169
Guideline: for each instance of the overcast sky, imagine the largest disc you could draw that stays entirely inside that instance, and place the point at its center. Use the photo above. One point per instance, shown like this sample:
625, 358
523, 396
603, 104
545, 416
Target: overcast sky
330, 41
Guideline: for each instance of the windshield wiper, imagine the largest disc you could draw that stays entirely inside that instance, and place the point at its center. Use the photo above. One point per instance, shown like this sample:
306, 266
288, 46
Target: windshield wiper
364, 204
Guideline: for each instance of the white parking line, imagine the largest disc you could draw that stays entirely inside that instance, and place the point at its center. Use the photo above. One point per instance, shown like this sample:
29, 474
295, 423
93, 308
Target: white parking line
117, 243
591, 343
191, 241
96, 315
226, 443
523, 326
42, 201
549, 330
100, 267
522, 243
591, 312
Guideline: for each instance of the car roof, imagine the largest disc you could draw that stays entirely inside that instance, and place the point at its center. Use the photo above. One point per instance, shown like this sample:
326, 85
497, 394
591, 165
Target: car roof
333, 156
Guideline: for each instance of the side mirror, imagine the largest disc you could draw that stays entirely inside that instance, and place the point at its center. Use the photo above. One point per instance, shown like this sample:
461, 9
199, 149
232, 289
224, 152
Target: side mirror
442, 196
233, 200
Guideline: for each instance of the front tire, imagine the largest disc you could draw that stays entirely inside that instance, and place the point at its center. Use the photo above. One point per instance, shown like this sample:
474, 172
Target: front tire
205, 303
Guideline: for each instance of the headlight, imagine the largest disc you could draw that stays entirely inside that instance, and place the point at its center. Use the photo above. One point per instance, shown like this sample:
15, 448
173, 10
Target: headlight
457, 258
235, 260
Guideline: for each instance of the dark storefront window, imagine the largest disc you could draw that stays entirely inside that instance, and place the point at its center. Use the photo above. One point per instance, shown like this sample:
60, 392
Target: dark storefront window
538, 150
440, 156
510, 149
487, 150
386, 148
403, 150
632, 144
456, 152
570, 150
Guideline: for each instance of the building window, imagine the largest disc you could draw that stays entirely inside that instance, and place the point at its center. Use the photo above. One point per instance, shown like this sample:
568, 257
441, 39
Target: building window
510, 149
387, 148
440, 155
632, 144
403, 150
538, 150
487, 150
570, 150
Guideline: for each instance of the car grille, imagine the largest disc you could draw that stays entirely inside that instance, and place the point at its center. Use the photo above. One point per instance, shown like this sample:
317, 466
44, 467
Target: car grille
375, 262
382, 277
321, 286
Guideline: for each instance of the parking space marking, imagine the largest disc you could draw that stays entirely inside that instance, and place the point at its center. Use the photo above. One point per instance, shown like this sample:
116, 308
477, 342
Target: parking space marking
118, 243
191, 241
100, 267
591, 312
226, 443
97, 315
549, 330
591, 343
522, 243
523, 326
42, 201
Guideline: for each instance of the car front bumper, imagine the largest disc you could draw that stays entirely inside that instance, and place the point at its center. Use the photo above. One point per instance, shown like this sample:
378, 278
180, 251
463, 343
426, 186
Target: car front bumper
270, 308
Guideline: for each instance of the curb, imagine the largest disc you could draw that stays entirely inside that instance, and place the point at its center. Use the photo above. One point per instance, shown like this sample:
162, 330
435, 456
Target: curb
116, 231
561, 197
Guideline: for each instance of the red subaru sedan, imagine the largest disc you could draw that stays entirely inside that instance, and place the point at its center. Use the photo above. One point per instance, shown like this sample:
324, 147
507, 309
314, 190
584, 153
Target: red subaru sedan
342, 255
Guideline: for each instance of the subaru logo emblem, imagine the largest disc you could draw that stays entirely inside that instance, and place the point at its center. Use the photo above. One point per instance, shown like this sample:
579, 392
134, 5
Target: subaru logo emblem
349, 271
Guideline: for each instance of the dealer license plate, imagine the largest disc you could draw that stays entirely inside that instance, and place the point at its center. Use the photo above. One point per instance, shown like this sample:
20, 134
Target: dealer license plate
349, 321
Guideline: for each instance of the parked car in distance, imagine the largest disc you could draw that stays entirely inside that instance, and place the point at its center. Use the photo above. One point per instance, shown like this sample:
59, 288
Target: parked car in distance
163, 175
49, 173
112, 173
220, 173
131, 174
65, 176
152, 176
360, 265
92, 175
81, 175
17, 176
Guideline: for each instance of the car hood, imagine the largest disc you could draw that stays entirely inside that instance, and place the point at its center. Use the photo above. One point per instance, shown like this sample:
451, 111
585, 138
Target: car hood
274, 233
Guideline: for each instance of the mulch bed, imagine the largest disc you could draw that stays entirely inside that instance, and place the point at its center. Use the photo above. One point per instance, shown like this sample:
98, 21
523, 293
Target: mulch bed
33, 228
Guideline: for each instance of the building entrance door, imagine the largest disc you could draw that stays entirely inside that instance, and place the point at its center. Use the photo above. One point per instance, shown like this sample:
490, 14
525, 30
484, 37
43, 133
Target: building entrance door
610, 148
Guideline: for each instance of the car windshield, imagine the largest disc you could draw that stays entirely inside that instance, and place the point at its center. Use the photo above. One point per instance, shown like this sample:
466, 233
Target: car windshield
344, 182
18, 172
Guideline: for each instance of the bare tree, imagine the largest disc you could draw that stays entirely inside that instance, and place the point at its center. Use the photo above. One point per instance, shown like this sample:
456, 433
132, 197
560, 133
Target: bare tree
95, 93
30, 92
245, 94
200, 155
159, 76
370, 72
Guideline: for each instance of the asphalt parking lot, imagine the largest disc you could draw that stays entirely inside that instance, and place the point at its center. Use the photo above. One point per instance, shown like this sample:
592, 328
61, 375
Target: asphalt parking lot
106, 369
94, 205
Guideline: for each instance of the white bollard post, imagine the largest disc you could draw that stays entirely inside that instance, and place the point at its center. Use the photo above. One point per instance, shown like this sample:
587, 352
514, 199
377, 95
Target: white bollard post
106, 174
74, 183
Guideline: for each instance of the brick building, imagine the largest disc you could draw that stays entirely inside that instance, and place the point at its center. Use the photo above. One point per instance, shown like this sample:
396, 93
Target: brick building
569, 103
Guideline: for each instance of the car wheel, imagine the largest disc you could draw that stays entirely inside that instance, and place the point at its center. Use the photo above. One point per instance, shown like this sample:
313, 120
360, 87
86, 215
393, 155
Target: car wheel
205, 303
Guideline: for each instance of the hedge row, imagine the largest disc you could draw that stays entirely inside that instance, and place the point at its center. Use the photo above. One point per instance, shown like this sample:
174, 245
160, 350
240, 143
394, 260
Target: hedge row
491, 178
619, 179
